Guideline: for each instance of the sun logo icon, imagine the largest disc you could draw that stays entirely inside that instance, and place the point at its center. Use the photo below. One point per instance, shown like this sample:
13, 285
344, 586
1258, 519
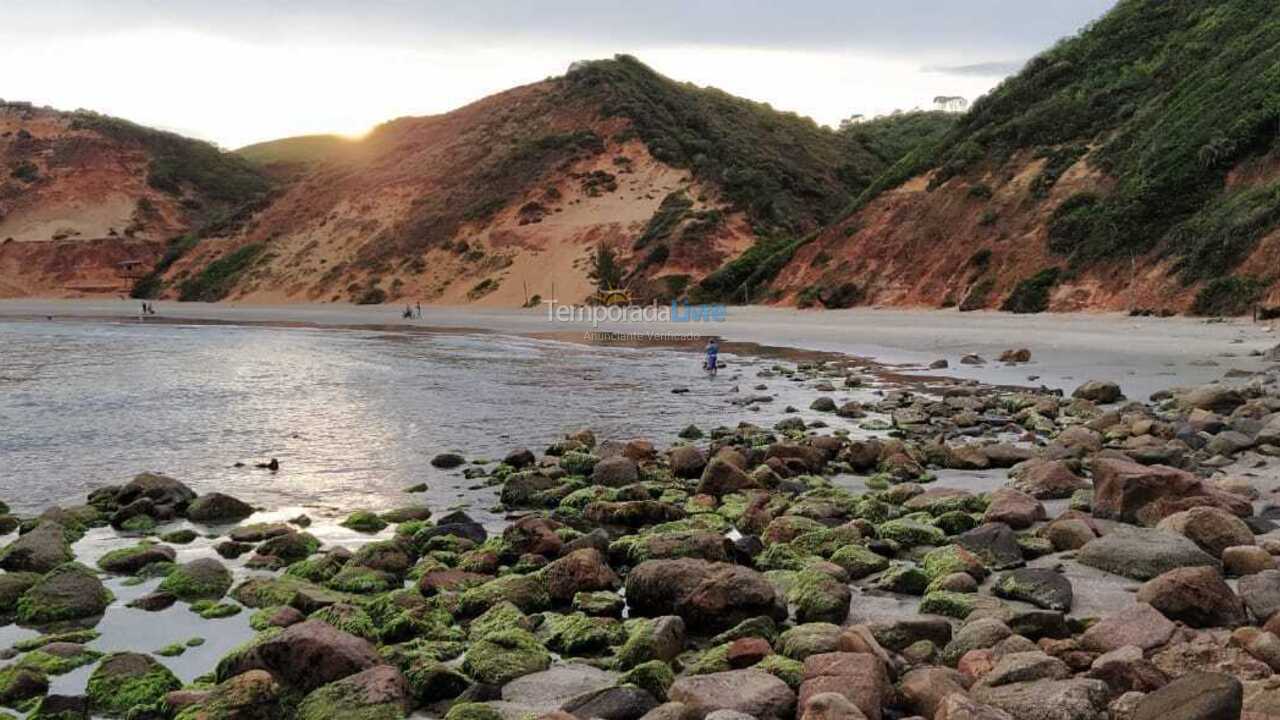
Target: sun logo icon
614, 296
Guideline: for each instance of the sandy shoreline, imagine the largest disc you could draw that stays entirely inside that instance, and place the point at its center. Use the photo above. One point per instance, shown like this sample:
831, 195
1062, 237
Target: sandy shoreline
1143, 354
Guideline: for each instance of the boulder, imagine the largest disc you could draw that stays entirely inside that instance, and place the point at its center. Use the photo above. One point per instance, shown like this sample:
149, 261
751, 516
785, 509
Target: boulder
548, 690
624, 702
1016, 509
617, 471
1141, 626
533, 535
861, 678
1047, 479
1102, 392
1261, 594
1126, 670
130, 560
958, 706
925, 689
750, 691
831, 706
1220, 399
706, 594
722, 477
1023, 667
580, 571
124, 681
1075, 699
1145, 494
1194, 696
1214, 530
162, 491
504, 655
994, 543
218, 508
378, 692
687, 462
1042, 587
202, 579
304, 656
1143, 554
1243, 560
40, 550
1197, 596
69, 592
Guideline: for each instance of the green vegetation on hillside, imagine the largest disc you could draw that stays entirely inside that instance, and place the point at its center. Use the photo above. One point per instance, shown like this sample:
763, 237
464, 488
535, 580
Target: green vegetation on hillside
788, 174
1170, 95
216, 280
304, 149
178, 162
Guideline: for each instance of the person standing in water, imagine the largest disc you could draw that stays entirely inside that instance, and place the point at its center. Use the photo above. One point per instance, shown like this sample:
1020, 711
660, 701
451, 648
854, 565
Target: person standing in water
711, 364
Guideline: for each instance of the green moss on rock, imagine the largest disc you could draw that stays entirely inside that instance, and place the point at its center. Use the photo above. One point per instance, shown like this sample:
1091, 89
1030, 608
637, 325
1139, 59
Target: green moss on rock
654, 677
125, 681
503, 656
69, 592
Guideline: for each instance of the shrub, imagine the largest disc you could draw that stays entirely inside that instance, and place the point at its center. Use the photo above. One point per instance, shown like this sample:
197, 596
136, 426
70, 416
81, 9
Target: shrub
371, 295
26, 171
216, 280
1032, 295
1228, 296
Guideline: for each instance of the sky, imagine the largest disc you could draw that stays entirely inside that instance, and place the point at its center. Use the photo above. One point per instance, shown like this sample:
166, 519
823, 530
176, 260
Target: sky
236, 72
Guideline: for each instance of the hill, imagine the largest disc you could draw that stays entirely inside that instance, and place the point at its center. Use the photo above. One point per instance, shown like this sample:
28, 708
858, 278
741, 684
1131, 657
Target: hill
81, 193
510, 197
1133, 166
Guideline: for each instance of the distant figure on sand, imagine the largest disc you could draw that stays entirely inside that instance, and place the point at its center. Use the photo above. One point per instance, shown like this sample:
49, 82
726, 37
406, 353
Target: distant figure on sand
273, 466
419, 311
712, 363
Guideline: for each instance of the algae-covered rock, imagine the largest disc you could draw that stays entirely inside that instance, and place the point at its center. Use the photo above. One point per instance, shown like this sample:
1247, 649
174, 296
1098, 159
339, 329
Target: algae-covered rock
290, 547
802, 641
69, 592
580, 634
379, 693
253, 695
654, 677
859, 561
124, 681
303, 656
19, 684
502, 656
818, 597
364, 521
59, 658
130, 560
473, 711
39, 550
530, 593
348, 618
431, 680
203, 579
12, 586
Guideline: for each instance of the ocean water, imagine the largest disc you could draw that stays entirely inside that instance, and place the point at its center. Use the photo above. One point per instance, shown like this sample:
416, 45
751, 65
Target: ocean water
354, 416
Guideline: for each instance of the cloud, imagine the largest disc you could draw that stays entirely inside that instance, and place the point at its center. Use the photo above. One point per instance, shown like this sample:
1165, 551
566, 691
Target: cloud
984, 69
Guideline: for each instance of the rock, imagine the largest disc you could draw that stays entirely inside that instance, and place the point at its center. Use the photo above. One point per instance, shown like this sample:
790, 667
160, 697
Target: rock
1125, 670
12, 586
632, 513
520, 458
1242, 560
1141, 625
687, 462
958, 706
123, 681
62, 707
128, 561
1012, 356
618, 471
1212, 529
1197, 596
1220, 399
831, 706
548, 690
1068, 533
203, 579
1144, 494
1022, 667
861, 678
923, 690
304, 656
533, 535
1047, 699
750, 691
448, 461
1102, 392
42, 549
161, 490
625, 702
255, 695
1143, 554
994, 543
1194, 696
18, 684
69, 592
976, 635
502, 656
722, 477
379, 692
898, 634
154, 602
218, 508
747, 651
1016, 509
580, 571
1047, 479
1041, 587
712, 595
1261, 594
289, 547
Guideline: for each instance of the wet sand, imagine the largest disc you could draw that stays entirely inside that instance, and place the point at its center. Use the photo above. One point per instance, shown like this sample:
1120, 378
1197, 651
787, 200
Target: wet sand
1142, 354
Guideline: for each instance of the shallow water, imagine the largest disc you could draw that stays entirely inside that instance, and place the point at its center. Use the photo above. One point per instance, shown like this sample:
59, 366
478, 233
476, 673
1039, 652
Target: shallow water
354, 416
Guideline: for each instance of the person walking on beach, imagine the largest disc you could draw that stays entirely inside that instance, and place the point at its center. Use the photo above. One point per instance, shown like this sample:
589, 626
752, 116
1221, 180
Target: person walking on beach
711, 364
419, 305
